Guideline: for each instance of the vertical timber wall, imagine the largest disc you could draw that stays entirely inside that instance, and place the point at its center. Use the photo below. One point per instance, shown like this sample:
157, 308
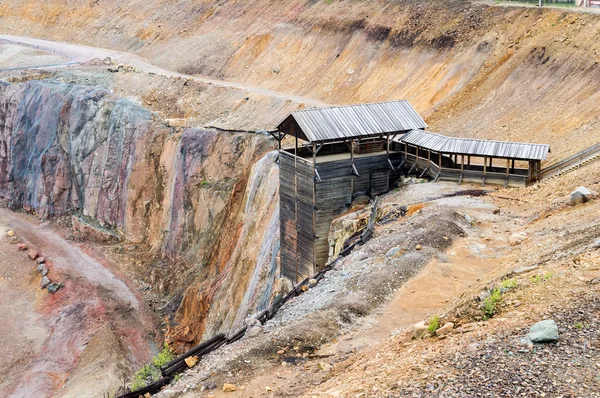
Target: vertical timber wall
307, 208
297, 216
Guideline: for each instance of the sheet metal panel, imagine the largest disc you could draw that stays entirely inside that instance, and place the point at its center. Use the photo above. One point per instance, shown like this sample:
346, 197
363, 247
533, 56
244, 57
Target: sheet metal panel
355, 121
467, 146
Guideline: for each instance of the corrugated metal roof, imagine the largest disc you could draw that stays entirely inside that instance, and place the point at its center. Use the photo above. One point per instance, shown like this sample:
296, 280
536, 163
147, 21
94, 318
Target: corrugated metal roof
467, 146
355, 121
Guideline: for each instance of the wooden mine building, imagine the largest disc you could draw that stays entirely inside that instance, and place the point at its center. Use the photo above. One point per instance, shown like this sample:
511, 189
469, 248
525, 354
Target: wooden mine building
344, 152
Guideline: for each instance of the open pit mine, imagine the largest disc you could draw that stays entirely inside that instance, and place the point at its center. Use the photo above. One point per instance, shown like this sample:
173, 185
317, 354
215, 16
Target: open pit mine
324, 198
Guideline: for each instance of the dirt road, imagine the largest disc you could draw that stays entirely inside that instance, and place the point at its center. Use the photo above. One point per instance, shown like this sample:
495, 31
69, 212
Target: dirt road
90, 333
79, 54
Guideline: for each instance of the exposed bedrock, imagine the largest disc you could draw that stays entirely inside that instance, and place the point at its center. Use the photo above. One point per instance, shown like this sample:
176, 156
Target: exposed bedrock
198, 196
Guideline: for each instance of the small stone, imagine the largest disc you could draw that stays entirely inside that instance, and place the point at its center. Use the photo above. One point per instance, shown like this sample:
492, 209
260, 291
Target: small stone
229, 387
254, 331
45, 282
42, 269
325, 367
516, 239
392, 252
40, 260
312, 282
281, 352
191, 361
419, 247
305, 288
497, 211
14, 240
444, 330
420, 330
10, 233
22, 247
33, 254
543, 332
147, 395
211, 385
581, 195
54, 287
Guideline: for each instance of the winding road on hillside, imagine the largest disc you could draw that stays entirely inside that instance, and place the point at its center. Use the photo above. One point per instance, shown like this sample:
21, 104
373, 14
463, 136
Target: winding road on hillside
75, 54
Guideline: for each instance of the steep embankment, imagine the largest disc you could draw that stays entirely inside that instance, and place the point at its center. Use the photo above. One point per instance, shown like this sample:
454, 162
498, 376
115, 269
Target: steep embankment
474, 70
195, 196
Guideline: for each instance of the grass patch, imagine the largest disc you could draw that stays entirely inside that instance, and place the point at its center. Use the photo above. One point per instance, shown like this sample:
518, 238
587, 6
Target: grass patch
150, 373
579, 325
434, 324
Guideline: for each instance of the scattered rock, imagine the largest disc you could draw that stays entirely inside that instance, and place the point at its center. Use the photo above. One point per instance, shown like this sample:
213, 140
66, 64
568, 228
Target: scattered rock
42, 269
33, 254
253, 322
229, 387
543, 332
516, 239
312, 282
45, 282
444, 330
522, 270
581, 195
392, 252
14, 240
10, 233
211, 385
470, 219
276, 69
54, 287
325, 367
305, 288
22, 247
419, 247
191, 361
281, 352
177, 123
40, 260
420, 330
497, 211
254, 331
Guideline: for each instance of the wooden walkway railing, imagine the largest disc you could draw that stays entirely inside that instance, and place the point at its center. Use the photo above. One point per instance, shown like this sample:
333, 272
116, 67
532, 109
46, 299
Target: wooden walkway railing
572, 162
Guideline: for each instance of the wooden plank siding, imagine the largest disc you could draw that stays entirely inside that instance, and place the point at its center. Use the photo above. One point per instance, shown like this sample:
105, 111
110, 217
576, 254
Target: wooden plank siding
296, 217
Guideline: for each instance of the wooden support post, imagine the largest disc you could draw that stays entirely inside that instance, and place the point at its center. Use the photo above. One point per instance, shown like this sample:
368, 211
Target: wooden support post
440, 160
428, 158
491, 165
469, 162
314, 207
513, 166
296, 200
484, 170
387, 150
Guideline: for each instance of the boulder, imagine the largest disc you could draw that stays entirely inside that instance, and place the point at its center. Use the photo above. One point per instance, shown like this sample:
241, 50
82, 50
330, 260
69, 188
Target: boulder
420, 330
42, 269
229, 387
54, 287
45, 282
444, 330
581, 195
543, 332
40, 260
22, 247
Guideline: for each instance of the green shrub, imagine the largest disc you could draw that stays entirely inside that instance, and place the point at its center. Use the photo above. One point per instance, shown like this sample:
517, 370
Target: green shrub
579, 325
536, 279
434, 324
548, 275
490, 304
150, 373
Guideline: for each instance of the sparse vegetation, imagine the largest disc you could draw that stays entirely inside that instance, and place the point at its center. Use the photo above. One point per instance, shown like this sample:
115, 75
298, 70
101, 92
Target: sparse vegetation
434, 324
579, 325
509, 283
150, 373
536, 279
490, 304
548, 275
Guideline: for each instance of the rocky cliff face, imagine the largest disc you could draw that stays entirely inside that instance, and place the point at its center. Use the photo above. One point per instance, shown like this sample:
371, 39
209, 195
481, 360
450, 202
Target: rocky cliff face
198, 196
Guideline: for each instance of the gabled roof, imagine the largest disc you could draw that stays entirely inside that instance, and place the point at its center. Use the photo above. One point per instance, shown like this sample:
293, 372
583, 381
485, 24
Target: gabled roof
467, 146
353, 121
